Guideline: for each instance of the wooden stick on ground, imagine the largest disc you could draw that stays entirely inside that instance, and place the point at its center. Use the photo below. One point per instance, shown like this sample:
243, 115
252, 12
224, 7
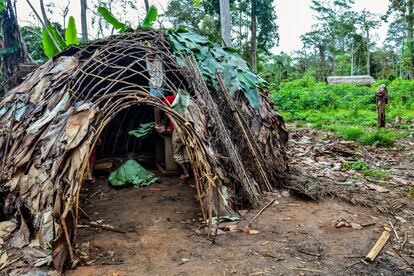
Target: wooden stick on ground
352, 264
104, 227
368, 224
95, 224
395, 231
309, 253
379, 245
404, 259
261, 211
307, 269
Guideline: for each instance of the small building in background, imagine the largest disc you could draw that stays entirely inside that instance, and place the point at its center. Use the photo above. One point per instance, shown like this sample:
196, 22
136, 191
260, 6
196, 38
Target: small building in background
363, 80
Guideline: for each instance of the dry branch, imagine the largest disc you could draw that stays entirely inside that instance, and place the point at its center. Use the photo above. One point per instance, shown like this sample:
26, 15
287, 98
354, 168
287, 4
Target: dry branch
261, 211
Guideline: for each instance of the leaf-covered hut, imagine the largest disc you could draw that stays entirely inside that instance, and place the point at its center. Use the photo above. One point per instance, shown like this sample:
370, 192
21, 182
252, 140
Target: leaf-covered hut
50, 124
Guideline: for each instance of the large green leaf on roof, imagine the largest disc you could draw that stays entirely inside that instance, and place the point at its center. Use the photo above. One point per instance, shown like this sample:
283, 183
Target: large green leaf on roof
194, 37
49, 47
213, 59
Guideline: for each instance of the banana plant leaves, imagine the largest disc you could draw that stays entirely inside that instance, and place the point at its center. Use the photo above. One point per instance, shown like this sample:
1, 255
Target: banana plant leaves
110, 18
48, 45
71, 34
131, 173
213, 59
150, 18
143, 130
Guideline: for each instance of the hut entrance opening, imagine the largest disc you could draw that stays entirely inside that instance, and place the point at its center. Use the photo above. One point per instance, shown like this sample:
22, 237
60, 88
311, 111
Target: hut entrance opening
131, 135
116, 223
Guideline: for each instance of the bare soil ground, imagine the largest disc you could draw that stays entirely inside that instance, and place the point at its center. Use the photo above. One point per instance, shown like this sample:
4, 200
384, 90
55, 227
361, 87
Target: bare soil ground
164, 235
295, 237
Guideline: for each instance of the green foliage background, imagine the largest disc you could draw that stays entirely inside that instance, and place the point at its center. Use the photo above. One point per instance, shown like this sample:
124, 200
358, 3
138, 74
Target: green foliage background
347, 109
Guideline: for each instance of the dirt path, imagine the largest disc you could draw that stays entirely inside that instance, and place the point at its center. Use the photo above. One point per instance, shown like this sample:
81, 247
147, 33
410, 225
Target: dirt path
295, 237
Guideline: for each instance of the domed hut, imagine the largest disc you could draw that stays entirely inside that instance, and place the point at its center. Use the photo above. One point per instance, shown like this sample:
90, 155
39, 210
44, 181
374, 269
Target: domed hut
51, 123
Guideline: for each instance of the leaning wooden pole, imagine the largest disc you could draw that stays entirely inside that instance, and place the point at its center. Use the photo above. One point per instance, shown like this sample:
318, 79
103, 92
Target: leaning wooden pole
247, 134
147, 5
249, 185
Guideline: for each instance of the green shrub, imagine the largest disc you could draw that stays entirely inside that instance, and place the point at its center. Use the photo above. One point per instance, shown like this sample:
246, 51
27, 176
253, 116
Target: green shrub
378, 138
364, 168
352, 133
355, 165
410, 192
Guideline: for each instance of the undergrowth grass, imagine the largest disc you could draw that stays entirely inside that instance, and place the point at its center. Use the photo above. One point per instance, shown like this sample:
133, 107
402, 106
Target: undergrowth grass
364, 168
349, 110
410, 193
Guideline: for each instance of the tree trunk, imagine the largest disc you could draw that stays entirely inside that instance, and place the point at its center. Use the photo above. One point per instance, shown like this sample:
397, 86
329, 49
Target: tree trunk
12, 46
322, 60
225, 21
352, 63
410, 25
84, 21
44, 15
147, 6
410, 21
368, 54
240, 28
253, 43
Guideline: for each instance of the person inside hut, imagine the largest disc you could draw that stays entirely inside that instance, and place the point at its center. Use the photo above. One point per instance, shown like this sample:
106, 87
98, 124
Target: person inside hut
180, 154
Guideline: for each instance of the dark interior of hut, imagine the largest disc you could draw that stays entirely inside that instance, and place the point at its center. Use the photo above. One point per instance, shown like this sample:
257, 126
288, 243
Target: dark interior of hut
115, 141
116, 144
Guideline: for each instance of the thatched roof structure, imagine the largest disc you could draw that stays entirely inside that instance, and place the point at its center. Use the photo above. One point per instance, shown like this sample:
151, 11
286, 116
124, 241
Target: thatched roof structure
51, 122
365, 79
